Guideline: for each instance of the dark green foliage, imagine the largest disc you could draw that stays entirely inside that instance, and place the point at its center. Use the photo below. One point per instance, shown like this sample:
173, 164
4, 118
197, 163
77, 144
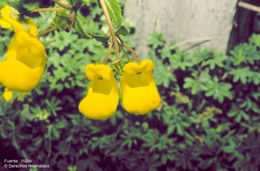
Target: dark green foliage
209, 118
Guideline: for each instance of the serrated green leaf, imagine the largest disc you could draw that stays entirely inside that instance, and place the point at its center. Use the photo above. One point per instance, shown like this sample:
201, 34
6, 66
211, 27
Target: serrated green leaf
114, 11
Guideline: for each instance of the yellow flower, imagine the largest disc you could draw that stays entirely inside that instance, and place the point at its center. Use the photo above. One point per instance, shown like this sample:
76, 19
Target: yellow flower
11, 19
25, 58
24, 64
102, 98
139, 90
7, 95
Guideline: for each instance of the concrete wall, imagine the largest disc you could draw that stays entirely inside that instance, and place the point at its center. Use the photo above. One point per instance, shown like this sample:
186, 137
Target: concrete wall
182, 20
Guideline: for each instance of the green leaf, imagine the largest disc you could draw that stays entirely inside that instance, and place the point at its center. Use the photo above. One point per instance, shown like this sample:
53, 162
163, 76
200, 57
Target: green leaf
219, 90
79, 27
180, 129
123, 31
56, 133
170, 129
114, 11
193, 84
76, 3
61, 20
255, 39
14, 143
156, 39
241, 74
164, 159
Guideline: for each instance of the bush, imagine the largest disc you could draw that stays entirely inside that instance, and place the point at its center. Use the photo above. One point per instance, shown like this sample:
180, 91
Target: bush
208, 120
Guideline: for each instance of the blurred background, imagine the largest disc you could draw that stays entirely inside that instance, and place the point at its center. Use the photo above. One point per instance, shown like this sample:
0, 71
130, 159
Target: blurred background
207, 69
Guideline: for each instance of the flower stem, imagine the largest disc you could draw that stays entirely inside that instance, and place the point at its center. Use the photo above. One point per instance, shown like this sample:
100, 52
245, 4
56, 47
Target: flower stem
46, 31
131, 50
48, 9
72, 18
110, 25
127, 56
63, 4
109, 51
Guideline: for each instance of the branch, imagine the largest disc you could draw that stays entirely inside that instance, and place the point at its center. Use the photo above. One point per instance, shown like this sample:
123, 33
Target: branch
249, 6
46, 31
48, 9
109, 51
131, 50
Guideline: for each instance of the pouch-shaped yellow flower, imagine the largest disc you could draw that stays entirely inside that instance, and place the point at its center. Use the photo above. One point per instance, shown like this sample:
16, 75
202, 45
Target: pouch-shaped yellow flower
102, 97
24, 64
10, 18
139, 90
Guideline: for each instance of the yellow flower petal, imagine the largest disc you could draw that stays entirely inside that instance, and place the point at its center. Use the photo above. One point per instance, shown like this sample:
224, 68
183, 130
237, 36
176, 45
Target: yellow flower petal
139, 90
8, 95
24, 64
29, 50
102, 98
33, 30
17, 76
4, 24
10, 18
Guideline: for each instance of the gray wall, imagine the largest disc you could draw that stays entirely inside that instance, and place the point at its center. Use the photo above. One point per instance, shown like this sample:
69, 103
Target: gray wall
182, 20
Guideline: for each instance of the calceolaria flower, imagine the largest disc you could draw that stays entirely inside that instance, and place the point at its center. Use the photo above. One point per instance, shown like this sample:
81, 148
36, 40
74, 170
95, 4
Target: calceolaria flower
25, 57
139, 91
24, 64
102, 97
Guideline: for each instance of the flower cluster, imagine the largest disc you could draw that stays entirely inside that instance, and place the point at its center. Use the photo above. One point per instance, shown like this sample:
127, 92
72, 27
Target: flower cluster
25, 60
139, 91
